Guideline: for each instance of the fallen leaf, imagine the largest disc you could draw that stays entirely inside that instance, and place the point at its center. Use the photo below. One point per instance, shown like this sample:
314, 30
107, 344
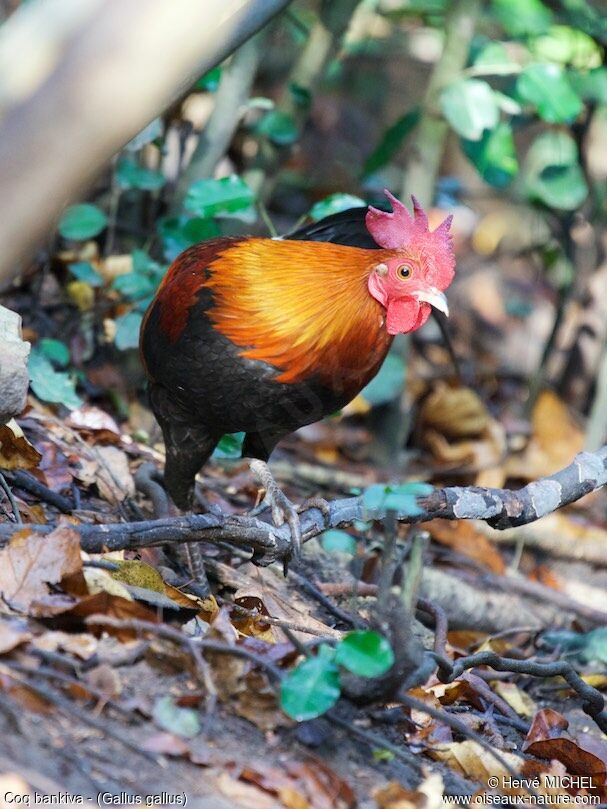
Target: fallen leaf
515, 697
548, 738
556, 439
114, 479
464, 537
12, 634
92, 422
82, 645
166, 744
428, 795
30, 563
16, 452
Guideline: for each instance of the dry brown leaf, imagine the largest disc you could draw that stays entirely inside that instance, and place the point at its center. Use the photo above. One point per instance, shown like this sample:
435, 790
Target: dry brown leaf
30, 562
464, 537
556, 439
93, 422
428, 795
257, 702
79, 644
471, 760
548, 738
166, 744
458, 429
243, 795
517, 699
114, 479
16, 452
12, 634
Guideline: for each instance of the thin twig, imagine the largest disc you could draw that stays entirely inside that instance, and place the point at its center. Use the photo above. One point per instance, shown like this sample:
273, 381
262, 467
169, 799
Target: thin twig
592, 700
11, 499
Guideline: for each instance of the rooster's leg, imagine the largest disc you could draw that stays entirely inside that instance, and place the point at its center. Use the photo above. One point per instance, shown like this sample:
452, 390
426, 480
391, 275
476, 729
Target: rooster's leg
188, 446
283, 510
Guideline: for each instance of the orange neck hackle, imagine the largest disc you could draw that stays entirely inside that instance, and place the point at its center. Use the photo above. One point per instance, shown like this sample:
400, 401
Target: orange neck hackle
303, 307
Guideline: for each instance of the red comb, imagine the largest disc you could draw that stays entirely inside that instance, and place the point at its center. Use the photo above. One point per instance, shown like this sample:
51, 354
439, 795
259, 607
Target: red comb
398, 228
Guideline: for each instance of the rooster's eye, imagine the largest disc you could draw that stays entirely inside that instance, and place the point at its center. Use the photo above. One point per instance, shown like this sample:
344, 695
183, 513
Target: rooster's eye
404, 271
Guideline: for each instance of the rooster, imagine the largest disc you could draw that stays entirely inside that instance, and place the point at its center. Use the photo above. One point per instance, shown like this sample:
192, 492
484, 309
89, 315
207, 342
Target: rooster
264, 336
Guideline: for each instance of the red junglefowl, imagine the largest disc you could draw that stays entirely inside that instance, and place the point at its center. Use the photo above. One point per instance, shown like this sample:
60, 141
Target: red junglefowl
263, 336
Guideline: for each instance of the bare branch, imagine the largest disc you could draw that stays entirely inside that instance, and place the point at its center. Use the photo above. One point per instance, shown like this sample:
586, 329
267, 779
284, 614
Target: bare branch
79, 78
501, 508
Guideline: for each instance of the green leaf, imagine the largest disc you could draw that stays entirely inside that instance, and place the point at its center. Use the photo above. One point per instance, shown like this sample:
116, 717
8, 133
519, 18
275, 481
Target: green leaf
392, 139
494, 55
210, 80
336, 541
127, 330
50, 385
335, 203
553, 174
470, 107
522, 17
279, 127
144, 264
133, 286
365, 653
228, 197
567, 46
84, 271
300, 95
388, 383
591, 85
310, 689
183, 722
180, 232
402, 498
56, 351
590, 647
230, 446
545, 86
82, 221
494, 155
130, 174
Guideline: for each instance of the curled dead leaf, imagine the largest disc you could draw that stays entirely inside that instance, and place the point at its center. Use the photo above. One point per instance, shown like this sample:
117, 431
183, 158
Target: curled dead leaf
16, 452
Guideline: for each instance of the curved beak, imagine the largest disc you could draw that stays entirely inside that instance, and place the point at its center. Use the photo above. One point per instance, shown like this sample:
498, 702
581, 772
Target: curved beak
435, 298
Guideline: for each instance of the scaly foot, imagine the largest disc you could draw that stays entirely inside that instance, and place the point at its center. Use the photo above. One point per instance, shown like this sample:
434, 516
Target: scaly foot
283, 510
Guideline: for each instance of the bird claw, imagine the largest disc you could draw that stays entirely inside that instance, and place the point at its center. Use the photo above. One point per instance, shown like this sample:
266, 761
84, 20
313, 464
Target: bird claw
283, 510
319, 503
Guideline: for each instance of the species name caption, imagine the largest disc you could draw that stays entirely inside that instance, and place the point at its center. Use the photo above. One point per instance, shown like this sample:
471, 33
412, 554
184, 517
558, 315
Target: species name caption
11, 798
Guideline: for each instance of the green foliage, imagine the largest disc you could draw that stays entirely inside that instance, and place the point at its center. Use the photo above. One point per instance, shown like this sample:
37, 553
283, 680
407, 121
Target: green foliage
388, 383
55, 350
230, 446
522, 17
130, 174
279, 127
545, 86
127, 330
494, 155
336, 541
589, 647
402, 498
183, 722
210, 81
51, 385
553, 173
335, 203
313, 687
180, 232
391, 141
567, 46
365, 653
228, 197
83, 271
470, 107
80, 222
